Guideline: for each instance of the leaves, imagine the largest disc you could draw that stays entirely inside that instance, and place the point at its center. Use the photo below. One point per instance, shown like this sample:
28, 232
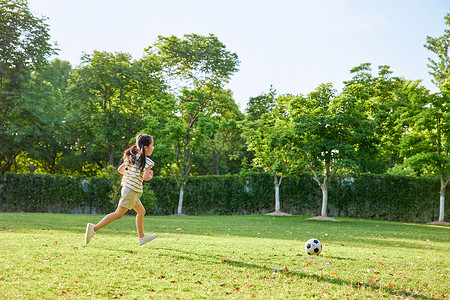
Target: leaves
24, 97
198, 58
109, 96
439, 46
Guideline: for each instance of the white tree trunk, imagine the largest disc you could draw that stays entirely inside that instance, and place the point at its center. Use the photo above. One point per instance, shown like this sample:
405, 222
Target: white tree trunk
442, 197
324, 188
277, 197
180, 201
441, 207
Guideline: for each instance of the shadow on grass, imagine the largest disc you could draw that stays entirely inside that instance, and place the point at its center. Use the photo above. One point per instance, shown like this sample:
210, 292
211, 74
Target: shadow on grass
253, 226
341, 258
300, 275
333, 280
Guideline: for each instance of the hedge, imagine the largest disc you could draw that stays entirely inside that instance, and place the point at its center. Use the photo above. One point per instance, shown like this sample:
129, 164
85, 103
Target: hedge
54, 193
367, 196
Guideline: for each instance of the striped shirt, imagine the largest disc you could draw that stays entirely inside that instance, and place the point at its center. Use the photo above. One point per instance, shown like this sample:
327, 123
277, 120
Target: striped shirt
133, 176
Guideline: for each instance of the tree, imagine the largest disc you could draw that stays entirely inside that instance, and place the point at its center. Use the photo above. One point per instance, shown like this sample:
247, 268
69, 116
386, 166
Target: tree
109, 97
24, 47
219, 124
377, 96
195, 60
426, 141
43, 94
48, 85
428, 118
198, 66
259, 105
440, 68
182, 137
267, 131
331, 132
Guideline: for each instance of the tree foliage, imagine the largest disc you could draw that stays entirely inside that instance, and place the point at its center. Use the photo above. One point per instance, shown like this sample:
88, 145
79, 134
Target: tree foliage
377, 97
201, 65
24, 47
109, 97
440, 67
268, 131
332, 132
425, 146
195, 59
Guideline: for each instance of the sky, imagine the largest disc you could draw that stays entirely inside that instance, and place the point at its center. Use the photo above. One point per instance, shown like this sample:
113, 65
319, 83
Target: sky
292, 45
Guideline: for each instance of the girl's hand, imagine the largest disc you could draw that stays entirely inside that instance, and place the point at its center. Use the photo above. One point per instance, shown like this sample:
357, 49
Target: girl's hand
148, 175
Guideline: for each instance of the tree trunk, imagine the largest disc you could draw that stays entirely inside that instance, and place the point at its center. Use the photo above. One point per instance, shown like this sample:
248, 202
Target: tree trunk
442, 198
216, 162
5, 168
111, 155
8, 164
277, 191
441, 207
277, 197
180, 201
324, 188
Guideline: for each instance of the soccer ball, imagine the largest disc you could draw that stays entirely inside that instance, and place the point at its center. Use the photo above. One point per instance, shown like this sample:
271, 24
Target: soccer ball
313, 247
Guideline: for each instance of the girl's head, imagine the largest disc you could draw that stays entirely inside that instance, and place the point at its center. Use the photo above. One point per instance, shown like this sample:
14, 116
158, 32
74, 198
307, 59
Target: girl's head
145, 142
136, 154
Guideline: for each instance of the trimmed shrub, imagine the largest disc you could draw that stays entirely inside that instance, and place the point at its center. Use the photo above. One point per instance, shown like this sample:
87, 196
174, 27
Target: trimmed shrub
367, 196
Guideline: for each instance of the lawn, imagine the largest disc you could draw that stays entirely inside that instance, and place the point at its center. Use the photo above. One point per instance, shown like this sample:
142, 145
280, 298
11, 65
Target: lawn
222, 257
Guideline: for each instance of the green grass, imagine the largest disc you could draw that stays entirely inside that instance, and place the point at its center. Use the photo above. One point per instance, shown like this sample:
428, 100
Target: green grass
215, 257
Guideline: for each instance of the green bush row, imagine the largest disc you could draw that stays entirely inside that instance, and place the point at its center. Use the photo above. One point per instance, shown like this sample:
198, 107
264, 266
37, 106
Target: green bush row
54, 193
367, 196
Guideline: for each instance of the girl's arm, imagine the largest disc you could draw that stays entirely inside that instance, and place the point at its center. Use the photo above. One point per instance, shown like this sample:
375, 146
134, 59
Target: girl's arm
122, 168
148, 174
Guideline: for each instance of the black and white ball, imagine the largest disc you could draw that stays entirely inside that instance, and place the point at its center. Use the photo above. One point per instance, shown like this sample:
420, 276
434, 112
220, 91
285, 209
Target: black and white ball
313, 247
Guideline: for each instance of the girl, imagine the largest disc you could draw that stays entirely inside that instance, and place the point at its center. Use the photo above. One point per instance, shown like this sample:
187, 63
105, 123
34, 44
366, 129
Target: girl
135, 168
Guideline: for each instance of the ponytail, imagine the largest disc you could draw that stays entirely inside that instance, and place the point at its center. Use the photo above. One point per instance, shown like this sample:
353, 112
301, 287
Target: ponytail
140, 146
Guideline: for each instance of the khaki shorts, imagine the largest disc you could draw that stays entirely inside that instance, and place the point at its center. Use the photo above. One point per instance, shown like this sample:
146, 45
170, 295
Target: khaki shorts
129, 198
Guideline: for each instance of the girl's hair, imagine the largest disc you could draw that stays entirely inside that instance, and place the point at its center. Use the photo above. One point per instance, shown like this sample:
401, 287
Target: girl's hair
138, 148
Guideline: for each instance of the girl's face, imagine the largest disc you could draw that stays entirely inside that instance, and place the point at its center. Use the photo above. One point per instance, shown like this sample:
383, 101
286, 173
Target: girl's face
149, 149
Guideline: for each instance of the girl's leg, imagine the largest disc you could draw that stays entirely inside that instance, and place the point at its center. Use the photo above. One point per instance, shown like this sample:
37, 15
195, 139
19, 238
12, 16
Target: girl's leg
140, 213
120, 211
